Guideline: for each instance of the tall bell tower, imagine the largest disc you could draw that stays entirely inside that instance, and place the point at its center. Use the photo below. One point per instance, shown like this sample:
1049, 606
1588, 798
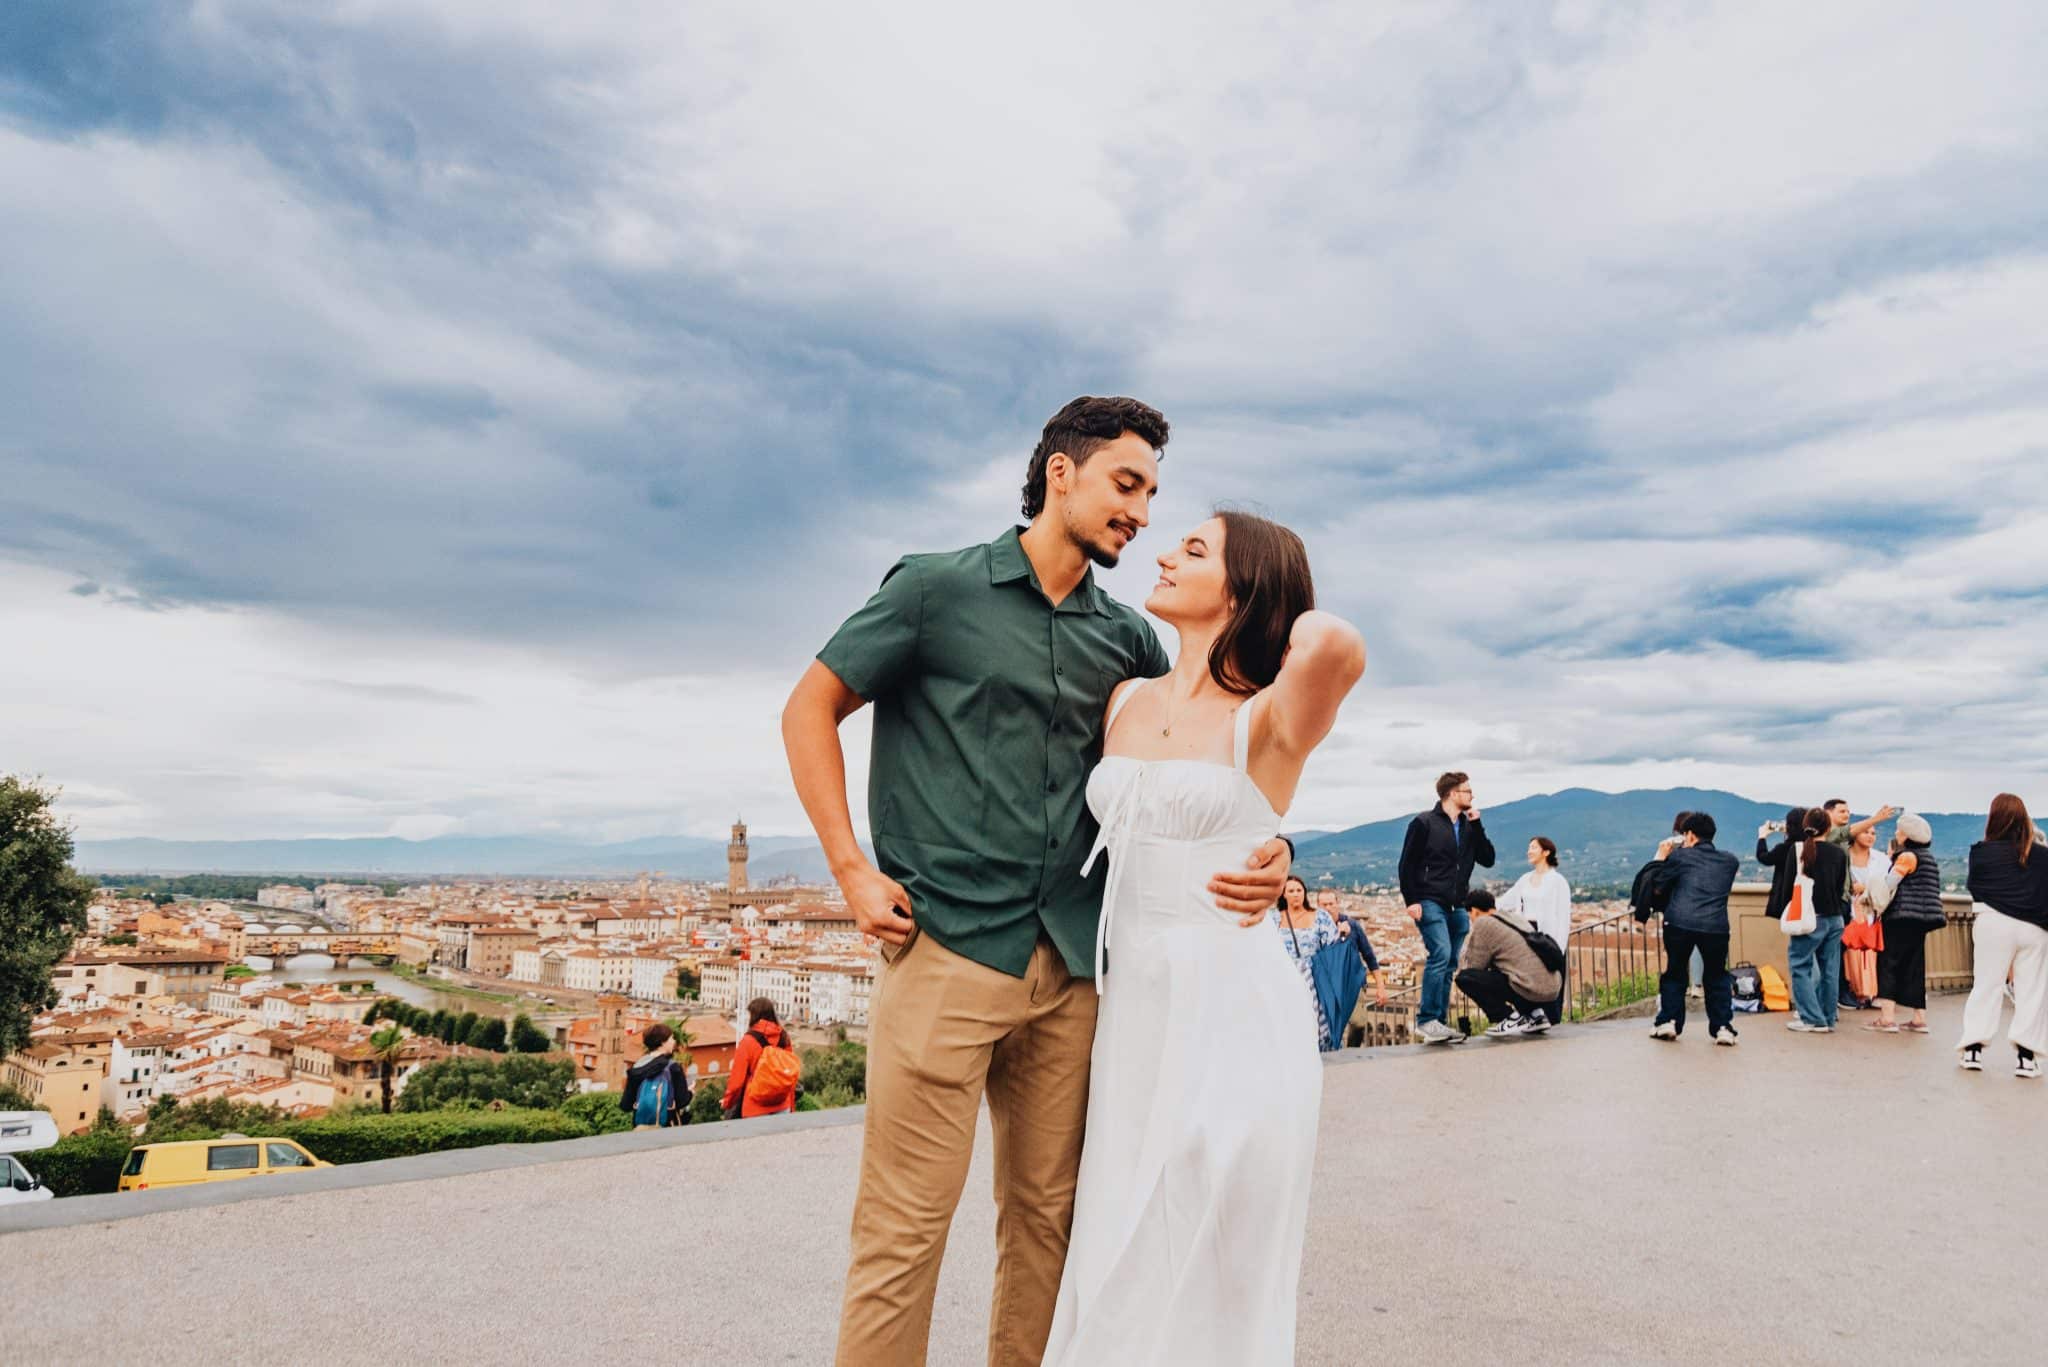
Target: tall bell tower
736, 859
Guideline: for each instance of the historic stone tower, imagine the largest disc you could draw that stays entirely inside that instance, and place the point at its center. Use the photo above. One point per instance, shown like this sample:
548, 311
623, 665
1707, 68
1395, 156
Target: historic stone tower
736, 859
611, 1041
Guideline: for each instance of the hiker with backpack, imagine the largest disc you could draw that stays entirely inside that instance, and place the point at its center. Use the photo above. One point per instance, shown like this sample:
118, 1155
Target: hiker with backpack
1511, 970
1692, 880
657, 1090
765, 1068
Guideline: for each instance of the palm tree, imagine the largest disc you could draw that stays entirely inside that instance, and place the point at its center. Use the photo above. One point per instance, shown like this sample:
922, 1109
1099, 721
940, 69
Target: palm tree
390, 1046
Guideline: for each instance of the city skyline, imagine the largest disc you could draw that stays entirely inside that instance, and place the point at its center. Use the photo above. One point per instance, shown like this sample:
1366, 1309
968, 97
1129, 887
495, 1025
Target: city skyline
481, 442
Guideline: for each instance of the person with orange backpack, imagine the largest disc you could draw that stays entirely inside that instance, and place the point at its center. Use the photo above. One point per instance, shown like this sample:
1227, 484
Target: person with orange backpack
765, 1068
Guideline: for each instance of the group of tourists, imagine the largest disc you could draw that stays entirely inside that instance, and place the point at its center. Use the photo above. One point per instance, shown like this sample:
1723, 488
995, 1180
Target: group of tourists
1857, 918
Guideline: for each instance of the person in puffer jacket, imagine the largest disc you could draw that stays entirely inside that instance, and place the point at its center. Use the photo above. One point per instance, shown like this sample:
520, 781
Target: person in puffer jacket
764, 1032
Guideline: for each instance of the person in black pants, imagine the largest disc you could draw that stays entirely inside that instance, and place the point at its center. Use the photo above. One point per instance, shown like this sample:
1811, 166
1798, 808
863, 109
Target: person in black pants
1694, 882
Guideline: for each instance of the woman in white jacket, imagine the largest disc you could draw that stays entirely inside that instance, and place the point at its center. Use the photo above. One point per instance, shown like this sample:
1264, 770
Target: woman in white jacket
1545, 900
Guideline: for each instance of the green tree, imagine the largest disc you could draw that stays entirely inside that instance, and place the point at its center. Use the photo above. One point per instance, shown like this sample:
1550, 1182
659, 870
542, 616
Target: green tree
599, 1111
464, 1024
518, 1080
527, 1037
106, 1122
42, 904
491, 1036
235, 971
210, 1116
390, 1046
688, 983
122, 938
707, 1104
441, 1025
841, 1071
12, 1099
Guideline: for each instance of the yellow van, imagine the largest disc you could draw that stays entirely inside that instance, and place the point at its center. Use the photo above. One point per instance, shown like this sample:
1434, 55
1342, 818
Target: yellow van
153, 1166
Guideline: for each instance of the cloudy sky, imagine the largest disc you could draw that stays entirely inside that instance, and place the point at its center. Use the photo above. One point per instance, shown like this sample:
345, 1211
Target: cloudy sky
469, 416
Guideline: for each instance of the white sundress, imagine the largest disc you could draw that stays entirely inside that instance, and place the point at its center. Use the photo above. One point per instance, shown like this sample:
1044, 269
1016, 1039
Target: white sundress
1193, 1193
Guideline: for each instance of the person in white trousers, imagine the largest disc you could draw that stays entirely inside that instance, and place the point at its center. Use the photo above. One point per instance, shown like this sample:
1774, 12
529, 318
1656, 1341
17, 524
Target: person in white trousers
2009, 882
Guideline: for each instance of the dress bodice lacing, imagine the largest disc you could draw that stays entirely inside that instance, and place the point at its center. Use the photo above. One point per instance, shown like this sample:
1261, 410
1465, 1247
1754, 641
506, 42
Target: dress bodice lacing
1172, 824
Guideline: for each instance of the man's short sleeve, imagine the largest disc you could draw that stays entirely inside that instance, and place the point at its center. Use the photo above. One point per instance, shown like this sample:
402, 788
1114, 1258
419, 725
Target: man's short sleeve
876, 647
1152, 661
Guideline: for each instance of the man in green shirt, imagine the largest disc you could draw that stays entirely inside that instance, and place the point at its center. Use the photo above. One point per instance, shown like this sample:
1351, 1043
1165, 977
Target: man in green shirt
990, 670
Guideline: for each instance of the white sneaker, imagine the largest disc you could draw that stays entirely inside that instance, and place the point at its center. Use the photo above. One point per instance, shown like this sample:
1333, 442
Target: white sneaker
1725, 1035
1436, 1032
1536, 1022
1664, 1030
2027, 1067
1515, 1024
1972, 1059
1803, 1028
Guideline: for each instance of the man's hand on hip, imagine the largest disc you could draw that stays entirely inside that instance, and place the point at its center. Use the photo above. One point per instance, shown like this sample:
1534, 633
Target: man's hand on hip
880, 906
1256, 891
1415, 912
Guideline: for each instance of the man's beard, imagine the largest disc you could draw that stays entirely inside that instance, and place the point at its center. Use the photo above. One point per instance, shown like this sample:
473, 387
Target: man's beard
1103, 555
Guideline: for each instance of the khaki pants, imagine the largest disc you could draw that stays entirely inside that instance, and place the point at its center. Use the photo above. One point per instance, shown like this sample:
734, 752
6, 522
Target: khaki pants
944, 1030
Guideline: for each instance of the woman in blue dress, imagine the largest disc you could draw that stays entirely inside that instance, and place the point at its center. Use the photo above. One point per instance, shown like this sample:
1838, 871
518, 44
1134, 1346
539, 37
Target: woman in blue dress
1304, 930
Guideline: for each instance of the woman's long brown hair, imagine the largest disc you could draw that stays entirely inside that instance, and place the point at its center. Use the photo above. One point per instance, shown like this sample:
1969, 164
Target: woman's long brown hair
1267, 569
2009, 821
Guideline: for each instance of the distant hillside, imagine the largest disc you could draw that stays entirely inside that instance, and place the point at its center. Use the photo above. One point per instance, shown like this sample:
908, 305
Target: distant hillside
1602, 838
677, 856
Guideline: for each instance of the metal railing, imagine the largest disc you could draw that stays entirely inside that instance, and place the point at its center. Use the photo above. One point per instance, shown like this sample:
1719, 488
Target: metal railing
1609, 964
1612, 963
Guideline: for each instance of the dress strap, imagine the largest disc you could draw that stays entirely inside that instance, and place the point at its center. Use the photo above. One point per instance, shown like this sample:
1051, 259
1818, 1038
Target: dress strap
1118, 706
1241, 740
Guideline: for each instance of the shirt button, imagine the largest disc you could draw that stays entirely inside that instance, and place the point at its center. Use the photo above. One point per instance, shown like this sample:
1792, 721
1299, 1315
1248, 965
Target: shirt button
1055, 843
1053, 786
1059, 669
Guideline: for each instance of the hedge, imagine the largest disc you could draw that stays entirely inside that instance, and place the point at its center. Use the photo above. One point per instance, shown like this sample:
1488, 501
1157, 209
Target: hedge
366, 1138
89, 1164
81, 1164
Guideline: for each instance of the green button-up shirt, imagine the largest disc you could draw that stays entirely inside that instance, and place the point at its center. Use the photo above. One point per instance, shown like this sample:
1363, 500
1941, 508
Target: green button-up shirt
988, 718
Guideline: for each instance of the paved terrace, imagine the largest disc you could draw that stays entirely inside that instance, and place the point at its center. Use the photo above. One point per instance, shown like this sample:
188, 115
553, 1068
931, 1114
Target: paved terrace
1588, 1198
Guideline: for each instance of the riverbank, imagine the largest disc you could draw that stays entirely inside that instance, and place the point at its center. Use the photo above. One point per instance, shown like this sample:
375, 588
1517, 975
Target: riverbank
451, 985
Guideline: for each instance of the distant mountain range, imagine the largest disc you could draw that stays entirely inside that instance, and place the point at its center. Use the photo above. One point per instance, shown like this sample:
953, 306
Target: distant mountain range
679, 856
1602, 838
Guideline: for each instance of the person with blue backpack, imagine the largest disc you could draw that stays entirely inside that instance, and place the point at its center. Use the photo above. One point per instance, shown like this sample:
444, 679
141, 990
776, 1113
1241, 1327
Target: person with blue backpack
657, 1091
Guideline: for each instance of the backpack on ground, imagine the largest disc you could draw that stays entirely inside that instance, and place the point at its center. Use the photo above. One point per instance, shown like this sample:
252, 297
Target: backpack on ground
1746, 987
776, 1074
656, 1098
1777, 997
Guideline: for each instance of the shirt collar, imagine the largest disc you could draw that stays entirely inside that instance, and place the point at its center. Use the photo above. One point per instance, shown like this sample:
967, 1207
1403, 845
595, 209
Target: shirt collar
1007, 564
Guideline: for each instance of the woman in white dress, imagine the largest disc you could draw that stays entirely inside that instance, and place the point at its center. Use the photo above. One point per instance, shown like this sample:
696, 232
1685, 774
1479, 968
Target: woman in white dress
1193, 1193
1544, 899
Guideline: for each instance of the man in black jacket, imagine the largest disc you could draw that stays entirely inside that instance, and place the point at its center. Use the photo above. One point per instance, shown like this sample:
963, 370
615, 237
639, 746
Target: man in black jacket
1437, 858
1693, 879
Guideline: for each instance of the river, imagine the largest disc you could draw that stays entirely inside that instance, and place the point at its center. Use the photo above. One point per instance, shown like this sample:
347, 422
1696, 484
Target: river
310, 969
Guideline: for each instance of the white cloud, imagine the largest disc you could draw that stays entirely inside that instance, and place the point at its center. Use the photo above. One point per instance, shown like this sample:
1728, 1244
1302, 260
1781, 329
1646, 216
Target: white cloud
497, 400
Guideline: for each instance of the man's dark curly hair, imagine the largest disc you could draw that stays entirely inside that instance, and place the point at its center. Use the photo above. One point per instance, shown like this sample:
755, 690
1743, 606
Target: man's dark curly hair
1081, 429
